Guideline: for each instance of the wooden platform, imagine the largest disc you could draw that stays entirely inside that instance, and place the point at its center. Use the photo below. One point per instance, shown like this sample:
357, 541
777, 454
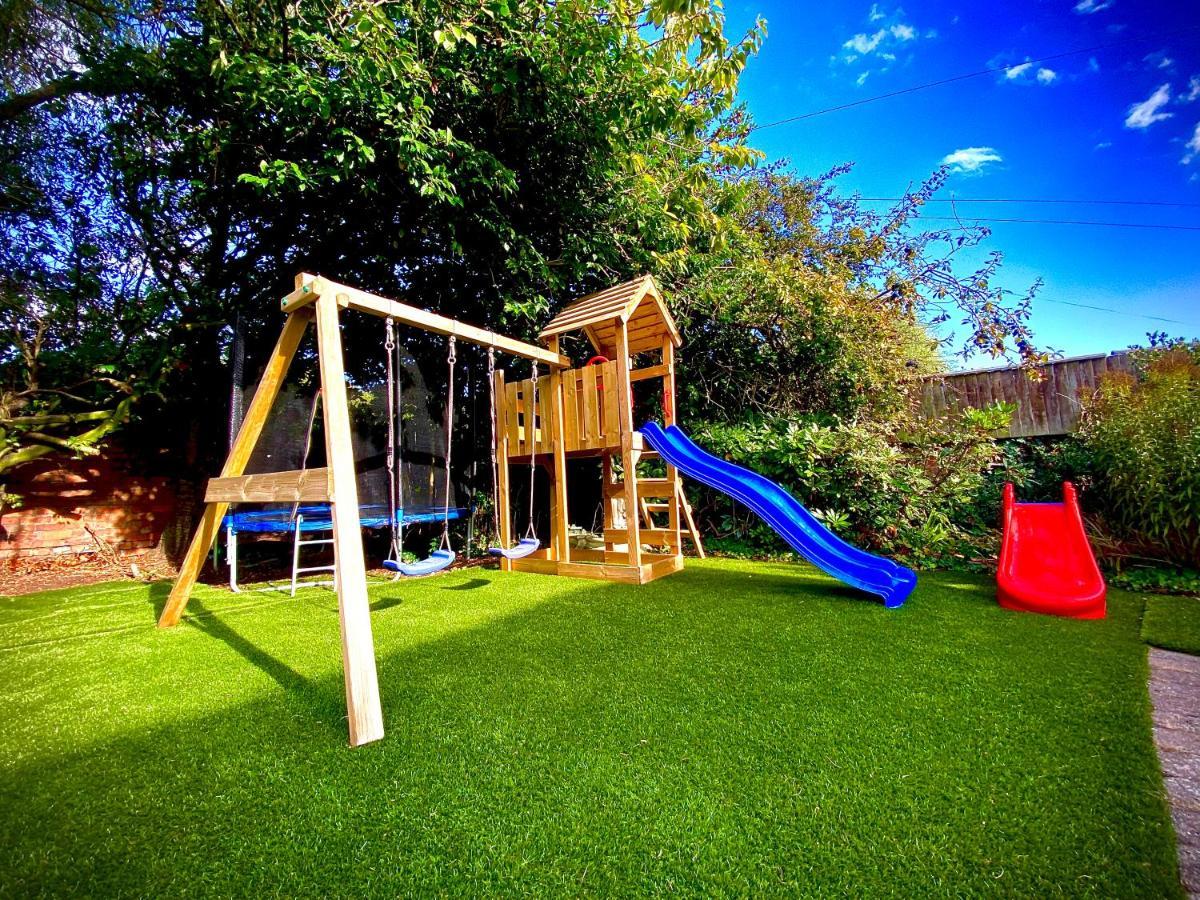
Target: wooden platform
654, 565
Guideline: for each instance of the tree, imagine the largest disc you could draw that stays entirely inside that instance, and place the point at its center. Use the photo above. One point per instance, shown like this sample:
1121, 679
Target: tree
815, 306
477, 158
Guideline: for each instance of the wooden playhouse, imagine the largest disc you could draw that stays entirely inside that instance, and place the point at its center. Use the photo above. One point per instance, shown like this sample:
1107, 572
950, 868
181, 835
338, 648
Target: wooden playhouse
589, 412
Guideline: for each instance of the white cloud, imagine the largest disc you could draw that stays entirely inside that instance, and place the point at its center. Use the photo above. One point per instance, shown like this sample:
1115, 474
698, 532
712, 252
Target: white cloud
1093, 64
1146, 113
1103, 145
1193, 90
1158, 60
1193, 146
970, 160
1019, 72
861, 79
881, 41
1087, 7
864, 44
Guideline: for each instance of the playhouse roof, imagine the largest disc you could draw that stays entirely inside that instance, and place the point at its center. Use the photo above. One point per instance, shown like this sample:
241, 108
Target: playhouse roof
637, 303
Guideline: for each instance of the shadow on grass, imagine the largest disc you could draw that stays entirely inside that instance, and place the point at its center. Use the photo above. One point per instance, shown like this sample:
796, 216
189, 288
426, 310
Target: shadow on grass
208, 622
472, 584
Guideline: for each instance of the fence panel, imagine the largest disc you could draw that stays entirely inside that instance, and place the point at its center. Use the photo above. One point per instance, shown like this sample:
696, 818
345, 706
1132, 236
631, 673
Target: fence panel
1048, 406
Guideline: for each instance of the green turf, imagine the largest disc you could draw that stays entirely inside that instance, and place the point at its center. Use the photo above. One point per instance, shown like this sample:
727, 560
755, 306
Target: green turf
1172, 622
739, 728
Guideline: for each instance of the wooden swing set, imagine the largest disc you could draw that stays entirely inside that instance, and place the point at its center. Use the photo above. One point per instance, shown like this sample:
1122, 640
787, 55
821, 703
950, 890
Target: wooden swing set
584, 412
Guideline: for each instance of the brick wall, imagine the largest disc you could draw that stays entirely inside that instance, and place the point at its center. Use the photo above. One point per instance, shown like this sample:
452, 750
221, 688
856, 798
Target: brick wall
78, 506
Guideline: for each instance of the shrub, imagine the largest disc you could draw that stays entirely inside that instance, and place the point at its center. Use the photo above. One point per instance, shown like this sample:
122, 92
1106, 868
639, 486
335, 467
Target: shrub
1144, 431
892, 489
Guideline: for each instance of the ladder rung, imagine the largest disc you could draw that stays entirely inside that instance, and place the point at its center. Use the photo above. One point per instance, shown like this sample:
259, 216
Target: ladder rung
647, 487
658, 507
645, 535
320, 541
316, 569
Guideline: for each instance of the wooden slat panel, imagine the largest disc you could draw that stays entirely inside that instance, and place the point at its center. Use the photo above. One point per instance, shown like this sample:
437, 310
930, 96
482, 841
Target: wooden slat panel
528, 418
571, 409
612, 415
512, 399
545, 421
295, 486
591, 407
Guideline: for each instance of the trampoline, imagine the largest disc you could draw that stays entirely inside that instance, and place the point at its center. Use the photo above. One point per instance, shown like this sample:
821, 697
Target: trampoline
314, 518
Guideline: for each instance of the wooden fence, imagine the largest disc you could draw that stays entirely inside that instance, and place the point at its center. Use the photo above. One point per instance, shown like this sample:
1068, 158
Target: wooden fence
1049, 406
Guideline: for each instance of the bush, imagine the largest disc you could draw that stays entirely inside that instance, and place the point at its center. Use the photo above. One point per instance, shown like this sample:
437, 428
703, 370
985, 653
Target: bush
895, 490
1144, 432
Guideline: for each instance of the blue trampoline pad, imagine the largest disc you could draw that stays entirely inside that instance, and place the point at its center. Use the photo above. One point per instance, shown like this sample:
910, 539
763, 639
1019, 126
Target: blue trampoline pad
318, 517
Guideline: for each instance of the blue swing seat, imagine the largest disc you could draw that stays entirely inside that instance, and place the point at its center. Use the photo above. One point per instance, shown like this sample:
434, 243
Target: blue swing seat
435, 562
524, 547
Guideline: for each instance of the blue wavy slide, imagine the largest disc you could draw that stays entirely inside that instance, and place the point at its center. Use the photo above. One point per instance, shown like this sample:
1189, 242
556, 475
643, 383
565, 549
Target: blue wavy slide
783, 512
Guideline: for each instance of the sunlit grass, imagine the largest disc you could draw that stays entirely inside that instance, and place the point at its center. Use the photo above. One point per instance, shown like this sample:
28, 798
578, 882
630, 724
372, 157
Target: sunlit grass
739, 728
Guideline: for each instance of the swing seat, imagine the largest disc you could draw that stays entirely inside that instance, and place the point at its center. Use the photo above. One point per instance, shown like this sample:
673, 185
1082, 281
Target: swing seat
435, 562
524, 547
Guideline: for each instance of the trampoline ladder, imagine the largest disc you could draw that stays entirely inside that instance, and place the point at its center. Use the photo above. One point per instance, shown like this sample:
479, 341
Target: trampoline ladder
298, 542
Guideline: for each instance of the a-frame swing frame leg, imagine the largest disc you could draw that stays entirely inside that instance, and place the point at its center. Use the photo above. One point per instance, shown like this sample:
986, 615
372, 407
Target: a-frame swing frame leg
364, 711
235, 463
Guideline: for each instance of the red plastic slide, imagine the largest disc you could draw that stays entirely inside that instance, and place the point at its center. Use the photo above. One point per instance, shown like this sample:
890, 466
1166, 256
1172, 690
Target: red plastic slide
1046, 562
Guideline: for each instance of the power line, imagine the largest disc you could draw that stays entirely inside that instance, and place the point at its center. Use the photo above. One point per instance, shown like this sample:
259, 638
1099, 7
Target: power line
981, 72
1119, 312
1064, 222
1031, 200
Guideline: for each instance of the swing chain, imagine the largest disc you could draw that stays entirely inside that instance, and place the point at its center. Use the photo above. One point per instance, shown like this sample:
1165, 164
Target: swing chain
531, 532
397, 539
451, 358
491, 371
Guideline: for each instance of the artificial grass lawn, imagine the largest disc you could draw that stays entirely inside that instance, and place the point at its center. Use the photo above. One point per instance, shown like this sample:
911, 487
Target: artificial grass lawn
1172, 622
736, 728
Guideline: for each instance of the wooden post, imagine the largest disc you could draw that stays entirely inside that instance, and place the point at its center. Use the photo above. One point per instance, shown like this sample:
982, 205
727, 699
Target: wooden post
629, 457
235, 463
502, 499
559, 524
363, 708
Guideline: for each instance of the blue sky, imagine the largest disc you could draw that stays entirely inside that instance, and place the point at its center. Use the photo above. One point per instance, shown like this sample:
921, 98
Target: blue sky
1114, 123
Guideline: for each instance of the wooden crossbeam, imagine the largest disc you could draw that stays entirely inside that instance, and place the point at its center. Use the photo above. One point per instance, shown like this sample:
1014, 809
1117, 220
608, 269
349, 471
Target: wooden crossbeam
645, 372
316, 286
295, 486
